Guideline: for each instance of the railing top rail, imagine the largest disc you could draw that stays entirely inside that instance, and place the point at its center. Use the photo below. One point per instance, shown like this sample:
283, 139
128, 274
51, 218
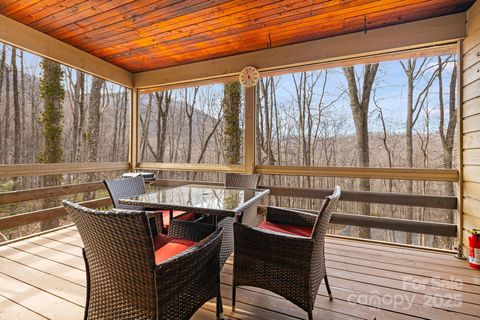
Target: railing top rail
45, 169
403, 199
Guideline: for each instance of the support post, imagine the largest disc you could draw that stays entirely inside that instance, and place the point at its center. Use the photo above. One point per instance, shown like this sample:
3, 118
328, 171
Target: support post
460, 254
133, 141
249, 146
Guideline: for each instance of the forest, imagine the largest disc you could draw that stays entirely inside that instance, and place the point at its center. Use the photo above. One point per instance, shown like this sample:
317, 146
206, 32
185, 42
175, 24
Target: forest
391, 114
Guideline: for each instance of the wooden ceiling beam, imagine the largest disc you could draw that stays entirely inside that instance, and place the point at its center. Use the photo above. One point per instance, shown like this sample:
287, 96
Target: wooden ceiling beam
21, 36
441, 30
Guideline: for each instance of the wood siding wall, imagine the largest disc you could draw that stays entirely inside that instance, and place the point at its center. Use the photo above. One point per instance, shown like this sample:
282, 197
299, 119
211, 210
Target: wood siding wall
470, 126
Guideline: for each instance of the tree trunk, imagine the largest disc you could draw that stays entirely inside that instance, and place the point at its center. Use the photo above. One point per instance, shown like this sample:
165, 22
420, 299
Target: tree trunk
17, 114
232, 104
258, 125
2, 68
94, 118
189, 110
124, 124
409, 140
360, 106
447, 139
6, 142
163, 114
2, 71
34, 105
145, 124
23, 117
16, 109
53, 93
78, 114
116, 123
93, 131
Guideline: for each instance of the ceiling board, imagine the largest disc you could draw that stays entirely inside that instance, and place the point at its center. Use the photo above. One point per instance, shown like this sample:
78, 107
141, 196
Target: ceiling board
150, 34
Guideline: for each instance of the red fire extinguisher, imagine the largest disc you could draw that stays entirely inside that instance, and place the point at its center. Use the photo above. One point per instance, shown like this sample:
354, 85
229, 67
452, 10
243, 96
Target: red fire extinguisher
474, 248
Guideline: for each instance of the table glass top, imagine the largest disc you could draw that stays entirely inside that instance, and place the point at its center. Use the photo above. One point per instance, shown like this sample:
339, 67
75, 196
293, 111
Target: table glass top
194, 196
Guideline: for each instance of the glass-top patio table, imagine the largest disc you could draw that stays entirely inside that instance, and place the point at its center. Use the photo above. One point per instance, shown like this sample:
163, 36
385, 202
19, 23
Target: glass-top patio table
211, 200
223, 204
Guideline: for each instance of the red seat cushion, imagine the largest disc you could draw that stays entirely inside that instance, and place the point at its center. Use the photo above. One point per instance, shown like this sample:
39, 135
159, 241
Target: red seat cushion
285, 228
180, 215
166, 247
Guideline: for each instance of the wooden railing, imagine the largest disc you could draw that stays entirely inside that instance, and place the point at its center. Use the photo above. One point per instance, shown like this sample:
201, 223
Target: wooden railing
450, 175
426, 201
358, 172
13, 197
402, 199
44, 214
35, 170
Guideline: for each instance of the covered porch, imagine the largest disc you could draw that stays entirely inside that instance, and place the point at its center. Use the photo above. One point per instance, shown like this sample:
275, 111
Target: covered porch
397, 244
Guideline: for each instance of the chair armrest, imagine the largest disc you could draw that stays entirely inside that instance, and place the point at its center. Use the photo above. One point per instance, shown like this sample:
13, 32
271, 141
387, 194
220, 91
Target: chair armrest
190, 230
196, 267
290, 217
288, 250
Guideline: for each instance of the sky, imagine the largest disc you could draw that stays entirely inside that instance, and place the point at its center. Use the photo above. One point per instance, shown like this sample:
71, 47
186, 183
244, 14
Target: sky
390, 90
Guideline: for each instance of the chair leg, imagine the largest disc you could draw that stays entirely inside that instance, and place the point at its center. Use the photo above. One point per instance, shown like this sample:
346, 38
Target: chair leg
328, 288
219, 307
310, 315
234, 296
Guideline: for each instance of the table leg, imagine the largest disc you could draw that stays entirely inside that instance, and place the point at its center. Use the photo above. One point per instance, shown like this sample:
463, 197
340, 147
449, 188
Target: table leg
249, 216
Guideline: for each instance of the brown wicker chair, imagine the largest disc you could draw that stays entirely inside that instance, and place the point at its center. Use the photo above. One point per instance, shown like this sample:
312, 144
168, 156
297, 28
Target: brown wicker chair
129, 277
246, 181
285, 254
233, 180
127, 187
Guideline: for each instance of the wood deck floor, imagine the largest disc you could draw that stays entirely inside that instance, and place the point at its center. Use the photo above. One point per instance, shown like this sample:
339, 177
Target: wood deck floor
43, 278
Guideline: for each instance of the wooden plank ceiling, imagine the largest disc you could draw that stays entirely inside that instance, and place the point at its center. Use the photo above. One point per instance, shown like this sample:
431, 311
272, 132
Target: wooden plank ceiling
150, 34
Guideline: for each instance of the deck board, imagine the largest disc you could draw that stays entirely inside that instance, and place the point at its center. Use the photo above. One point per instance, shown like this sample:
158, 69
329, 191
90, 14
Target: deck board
43, 278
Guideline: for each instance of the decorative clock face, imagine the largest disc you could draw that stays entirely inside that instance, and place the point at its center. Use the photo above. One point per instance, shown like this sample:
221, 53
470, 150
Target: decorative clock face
249, 76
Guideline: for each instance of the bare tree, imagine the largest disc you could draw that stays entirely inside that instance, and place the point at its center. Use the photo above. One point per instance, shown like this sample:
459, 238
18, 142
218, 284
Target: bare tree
424, 138
117, 124
35, 136
6, 135
53, 93
2, 68
415, 72
359, 104
267, 100
79, 112
211, 122
23, 117
189, 110
145, 126
94, 116
123, 126
231, 104
164, 101
447, 135
2, 72
17, 112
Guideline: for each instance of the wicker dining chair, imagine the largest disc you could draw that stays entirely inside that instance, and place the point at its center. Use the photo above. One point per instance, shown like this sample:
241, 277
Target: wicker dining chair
285, 254
128, 187
233, 180
246, 181
133, 274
